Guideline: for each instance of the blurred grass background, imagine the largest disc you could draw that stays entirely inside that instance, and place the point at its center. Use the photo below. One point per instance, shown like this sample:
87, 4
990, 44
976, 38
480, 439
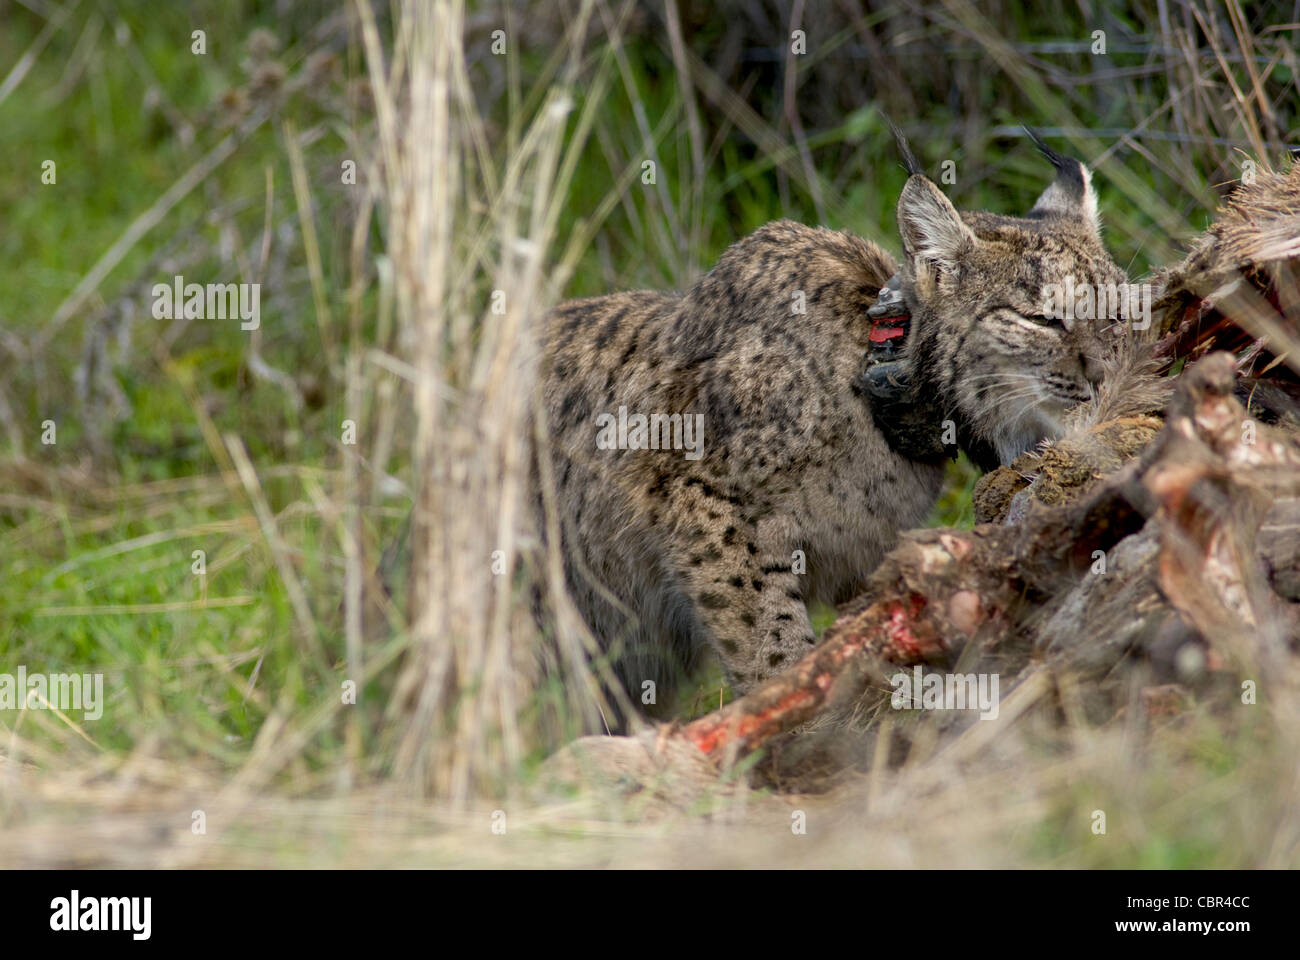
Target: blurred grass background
234, 675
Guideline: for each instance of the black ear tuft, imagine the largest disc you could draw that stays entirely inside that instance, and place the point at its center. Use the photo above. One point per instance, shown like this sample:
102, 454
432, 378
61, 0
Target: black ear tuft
1057, 160
1071, 192
909, 161
1069, 172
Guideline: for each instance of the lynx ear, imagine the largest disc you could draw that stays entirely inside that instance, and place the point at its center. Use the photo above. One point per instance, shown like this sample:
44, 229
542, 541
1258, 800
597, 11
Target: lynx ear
1070, 194
930, 226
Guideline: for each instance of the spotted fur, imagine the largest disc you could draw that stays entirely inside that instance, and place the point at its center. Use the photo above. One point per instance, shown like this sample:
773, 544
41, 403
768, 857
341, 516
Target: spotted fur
668, 557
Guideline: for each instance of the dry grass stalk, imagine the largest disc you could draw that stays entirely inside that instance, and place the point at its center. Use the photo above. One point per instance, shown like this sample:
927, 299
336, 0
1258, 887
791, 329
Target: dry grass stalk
468, 245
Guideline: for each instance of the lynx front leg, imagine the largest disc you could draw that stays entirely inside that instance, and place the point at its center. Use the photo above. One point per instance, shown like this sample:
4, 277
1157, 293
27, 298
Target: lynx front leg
750, 602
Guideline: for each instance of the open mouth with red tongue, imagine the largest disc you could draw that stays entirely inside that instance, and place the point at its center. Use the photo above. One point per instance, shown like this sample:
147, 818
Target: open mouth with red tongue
889, 321
907, 421
909, 416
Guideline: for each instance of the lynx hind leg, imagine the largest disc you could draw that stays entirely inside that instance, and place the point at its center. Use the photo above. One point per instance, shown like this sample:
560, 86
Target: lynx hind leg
749, 601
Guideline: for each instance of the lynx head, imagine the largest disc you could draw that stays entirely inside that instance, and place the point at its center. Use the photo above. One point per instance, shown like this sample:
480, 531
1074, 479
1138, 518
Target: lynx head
983, 341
